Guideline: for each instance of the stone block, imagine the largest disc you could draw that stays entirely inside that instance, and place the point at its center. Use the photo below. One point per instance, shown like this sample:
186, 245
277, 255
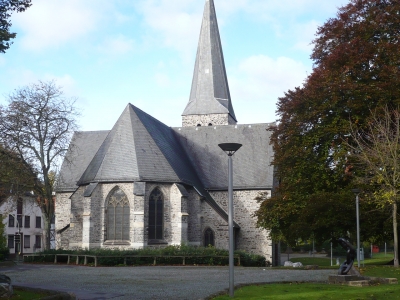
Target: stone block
6, 289
358, 283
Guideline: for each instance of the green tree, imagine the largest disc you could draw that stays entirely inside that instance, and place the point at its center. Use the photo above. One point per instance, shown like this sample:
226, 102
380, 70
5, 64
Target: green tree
38, 123
356, 69
7, 7
376, 158
16, 176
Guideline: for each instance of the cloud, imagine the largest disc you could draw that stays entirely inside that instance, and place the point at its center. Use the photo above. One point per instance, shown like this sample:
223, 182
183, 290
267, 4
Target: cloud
21, 78
304, 34
162, 79
117, 45
49, 24
259, 81
175, 21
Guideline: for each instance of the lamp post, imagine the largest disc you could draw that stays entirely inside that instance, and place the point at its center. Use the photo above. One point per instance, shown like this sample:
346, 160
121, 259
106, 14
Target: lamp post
230, 149
357, 192
17, 241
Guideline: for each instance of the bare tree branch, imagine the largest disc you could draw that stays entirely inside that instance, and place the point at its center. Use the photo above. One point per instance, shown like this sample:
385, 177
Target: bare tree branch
38, 124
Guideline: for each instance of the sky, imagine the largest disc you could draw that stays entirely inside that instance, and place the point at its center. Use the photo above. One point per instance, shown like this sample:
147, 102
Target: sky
108, 53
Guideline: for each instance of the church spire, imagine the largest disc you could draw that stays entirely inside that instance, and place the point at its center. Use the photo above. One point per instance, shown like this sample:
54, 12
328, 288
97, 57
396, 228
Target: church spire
210, 100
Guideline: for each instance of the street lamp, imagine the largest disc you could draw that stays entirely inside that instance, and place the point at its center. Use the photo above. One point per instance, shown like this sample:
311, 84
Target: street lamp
17, 240
230, 149
357, 192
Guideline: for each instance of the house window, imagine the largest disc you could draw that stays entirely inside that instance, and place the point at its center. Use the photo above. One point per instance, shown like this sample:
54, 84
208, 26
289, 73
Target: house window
27, 222
118, 216
208, 237
156, 215
10, 221
19, 206
38, 241
27, 241
19, 219
38, 222
10, 241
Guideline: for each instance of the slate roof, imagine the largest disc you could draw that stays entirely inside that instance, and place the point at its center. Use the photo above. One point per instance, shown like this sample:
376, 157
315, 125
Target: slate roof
138, 148
82, 148
251, 164
210, 91
130, 153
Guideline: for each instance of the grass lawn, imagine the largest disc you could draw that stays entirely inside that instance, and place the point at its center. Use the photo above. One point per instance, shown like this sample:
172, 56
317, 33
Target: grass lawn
374, 267
21, 294
315, 291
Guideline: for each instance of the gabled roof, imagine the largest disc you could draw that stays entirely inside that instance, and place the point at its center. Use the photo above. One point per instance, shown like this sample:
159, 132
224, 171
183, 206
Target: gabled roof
210, 90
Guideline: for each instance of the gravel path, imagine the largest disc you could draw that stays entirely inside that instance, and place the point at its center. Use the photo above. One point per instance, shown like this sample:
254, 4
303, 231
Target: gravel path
90, 283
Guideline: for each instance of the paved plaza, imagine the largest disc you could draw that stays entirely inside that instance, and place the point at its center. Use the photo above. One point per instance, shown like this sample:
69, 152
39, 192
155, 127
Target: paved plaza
137, 283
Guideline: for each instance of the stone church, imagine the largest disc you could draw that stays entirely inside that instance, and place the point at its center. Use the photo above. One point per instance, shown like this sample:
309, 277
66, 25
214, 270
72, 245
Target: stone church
145, 184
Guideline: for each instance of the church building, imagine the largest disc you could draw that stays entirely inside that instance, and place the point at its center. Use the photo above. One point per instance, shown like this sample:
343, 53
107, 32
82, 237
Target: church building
145, 184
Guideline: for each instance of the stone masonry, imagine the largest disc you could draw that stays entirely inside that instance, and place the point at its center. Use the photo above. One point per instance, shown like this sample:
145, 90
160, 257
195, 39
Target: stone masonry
207, 120
186, 217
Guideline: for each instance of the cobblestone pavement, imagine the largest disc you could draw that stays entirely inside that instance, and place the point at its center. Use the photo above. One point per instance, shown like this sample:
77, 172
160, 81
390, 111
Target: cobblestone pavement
186, 282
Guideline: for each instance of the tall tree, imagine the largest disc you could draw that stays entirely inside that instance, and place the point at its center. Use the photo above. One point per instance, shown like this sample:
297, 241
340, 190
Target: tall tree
37, 124
376, 156
7, 7
356, 69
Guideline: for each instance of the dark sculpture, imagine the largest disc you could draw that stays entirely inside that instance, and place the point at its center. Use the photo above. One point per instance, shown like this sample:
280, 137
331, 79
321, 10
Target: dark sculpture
351, 254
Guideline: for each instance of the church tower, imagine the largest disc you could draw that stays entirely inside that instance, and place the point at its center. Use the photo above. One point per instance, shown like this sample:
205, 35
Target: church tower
210, 101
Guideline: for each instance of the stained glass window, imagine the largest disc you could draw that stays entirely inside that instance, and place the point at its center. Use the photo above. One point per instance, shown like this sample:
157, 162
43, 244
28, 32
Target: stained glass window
156, 215
118, 216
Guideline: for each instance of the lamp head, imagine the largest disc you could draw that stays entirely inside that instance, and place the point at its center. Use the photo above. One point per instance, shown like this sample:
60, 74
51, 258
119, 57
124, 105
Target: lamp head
230, 148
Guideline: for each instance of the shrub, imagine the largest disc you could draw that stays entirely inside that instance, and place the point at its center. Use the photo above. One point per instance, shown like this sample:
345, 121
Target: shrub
165, 256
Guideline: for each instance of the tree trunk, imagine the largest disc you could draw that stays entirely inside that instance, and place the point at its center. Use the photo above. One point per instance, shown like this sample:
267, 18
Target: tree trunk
46, 231
395, 236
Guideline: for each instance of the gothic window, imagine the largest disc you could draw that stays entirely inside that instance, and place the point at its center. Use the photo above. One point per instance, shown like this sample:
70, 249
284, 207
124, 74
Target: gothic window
118, 215
156, 215
208, 237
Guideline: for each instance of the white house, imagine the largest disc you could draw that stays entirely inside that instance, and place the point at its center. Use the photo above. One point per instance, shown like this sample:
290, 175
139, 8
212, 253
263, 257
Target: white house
23, 222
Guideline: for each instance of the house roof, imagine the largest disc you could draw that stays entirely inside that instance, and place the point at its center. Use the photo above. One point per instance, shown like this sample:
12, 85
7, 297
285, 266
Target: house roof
210, 91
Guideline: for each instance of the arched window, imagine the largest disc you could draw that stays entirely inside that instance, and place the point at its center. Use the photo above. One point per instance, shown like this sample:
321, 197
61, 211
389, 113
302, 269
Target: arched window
118, 215
208, 237
156, 215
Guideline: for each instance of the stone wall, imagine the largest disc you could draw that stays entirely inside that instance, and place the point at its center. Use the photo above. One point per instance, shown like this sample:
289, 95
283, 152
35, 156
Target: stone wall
206, 120
62, 219
186, 217
194, 217
249, 238
74, 233
179, 218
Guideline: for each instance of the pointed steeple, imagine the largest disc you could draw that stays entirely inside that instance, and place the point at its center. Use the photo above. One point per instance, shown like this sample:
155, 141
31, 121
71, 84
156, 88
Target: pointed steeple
210, 100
